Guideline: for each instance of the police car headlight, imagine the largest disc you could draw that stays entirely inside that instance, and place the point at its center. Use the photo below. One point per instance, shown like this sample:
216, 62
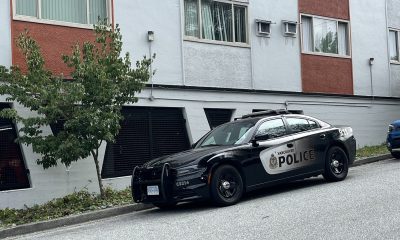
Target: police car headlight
189, 170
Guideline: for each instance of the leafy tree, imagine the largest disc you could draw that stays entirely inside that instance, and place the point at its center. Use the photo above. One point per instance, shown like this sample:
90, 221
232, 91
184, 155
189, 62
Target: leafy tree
88, 106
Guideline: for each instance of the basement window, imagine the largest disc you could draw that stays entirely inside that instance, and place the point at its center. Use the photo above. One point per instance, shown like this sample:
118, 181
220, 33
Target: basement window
13, 173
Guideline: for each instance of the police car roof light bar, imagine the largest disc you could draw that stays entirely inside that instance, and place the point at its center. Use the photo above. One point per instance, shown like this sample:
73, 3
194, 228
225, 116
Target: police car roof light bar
271, 112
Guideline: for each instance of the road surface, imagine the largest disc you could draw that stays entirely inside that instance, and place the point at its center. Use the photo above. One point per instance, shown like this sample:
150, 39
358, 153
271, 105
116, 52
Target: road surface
364, 206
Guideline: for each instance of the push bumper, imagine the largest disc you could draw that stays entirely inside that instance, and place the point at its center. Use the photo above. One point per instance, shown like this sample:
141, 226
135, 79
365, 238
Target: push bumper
170, 187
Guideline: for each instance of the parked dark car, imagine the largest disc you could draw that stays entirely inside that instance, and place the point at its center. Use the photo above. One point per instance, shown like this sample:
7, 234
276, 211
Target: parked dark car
254, 151
393, 139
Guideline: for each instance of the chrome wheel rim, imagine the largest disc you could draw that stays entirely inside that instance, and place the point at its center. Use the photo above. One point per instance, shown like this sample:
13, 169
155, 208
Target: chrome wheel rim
227, 185
337, 159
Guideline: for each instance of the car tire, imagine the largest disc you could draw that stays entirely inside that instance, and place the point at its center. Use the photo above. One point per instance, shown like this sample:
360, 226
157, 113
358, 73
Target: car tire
336, 165
395, 154
165, 206
226, 186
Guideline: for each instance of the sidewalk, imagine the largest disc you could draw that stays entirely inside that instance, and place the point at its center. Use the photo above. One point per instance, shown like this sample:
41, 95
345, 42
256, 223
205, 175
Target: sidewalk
111, 212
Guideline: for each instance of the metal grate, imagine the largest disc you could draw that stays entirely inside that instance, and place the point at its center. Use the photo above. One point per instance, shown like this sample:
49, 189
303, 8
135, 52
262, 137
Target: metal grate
217, 116
146, 133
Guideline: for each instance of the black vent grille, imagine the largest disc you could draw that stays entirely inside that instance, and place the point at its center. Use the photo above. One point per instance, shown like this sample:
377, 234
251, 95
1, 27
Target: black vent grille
217, 117
145, 134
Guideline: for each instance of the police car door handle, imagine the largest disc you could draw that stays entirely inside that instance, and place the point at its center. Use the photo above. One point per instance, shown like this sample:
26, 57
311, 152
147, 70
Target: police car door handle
322, 136
290, 145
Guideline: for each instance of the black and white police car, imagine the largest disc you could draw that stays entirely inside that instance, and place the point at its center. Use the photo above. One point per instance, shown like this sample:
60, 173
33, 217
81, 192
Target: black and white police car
254, 151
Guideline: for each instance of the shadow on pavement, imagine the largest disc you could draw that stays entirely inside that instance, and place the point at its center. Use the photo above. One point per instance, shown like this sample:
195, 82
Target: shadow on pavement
265, 192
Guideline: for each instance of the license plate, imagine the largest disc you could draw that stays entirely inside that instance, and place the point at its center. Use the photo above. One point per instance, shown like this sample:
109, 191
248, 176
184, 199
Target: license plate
153, 191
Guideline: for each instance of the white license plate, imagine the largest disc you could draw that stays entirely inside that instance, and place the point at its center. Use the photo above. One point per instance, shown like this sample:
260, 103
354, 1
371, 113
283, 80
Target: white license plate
153, 191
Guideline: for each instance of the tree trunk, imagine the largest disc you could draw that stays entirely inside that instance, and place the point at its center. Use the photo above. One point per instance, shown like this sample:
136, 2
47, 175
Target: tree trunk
99, 180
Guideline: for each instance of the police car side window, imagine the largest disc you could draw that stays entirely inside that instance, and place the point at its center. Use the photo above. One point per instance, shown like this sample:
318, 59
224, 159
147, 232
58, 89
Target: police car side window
313, 124
298, 124
274, 128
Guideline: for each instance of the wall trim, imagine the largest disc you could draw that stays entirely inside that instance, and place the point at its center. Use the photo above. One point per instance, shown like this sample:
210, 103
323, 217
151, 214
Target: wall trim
272, 92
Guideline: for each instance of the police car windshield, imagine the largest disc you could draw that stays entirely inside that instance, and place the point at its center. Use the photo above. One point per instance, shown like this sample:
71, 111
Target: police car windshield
233, 133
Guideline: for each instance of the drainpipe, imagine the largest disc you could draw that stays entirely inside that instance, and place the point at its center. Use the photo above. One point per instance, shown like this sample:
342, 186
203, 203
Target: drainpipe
371, 62
150, 38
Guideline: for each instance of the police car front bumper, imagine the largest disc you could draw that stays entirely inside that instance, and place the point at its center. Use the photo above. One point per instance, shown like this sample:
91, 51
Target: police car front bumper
164, 184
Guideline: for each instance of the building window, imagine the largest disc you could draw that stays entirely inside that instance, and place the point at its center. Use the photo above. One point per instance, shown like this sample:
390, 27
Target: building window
215, 20
325, 36
394, 45
71, 11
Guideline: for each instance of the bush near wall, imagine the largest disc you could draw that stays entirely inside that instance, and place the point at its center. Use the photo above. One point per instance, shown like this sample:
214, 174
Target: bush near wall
72, 204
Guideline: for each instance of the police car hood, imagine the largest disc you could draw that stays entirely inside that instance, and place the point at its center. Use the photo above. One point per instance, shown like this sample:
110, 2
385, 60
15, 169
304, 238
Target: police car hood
189, 157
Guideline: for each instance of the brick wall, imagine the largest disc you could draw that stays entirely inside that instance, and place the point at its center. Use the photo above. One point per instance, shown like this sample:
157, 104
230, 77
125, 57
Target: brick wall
53, 41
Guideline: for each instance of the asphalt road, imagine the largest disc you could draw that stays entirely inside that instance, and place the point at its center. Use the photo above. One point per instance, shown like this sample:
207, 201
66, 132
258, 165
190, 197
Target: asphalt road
364, 206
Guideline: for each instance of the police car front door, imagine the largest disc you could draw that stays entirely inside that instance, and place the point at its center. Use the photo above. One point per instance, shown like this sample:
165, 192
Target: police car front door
268, 158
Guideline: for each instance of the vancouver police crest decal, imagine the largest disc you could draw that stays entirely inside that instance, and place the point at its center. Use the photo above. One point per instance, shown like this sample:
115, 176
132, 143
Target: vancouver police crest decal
273, 162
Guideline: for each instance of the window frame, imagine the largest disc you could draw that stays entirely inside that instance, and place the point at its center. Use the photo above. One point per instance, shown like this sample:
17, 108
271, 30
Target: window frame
233, 3
337, 28
397, 32
292, 133
39, 19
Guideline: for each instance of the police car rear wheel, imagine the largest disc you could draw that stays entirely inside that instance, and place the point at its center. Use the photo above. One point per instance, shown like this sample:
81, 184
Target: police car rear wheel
336, 165
226, 186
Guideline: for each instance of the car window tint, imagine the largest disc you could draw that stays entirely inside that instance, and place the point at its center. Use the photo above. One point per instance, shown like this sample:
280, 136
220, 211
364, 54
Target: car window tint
298, 124
274, 128
230, 133
313, 124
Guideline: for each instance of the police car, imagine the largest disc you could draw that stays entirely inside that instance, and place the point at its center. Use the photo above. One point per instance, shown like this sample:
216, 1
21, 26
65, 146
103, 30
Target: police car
252, 152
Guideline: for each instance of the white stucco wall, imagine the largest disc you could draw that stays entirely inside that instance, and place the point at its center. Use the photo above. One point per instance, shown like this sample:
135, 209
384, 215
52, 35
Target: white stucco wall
5, 33
275, 60
213, 65
369, 40
136, 18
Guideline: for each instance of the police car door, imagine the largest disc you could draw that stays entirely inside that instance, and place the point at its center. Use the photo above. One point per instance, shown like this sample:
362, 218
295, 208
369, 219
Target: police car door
310, 143
270, 152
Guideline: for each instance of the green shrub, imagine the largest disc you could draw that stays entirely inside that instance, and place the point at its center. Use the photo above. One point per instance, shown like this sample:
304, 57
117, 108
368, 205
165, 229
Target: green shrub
75, 203
370, 151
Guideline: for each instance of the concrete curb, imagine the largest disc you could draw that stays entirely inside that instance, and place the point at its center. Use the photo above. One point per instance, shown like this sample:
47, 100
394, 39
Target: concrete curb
111, 212
72, 220
371, 160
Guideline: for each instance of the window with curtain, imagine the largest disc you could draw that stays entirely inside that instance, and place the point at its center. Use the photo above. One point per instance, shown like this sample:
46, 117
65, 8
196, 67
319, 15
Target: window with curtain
394, 45
71, 11
215, 20
322, 35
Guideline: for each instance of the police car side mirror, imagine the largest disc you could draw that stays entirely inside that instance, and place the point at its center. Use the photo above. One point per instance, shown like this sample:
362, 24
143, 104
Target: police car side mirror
260, 138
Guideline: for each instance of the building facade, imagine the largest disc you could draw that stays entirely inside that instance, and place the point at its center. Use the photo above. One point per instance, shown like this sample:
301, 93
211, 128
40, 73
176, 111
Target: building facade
337, 60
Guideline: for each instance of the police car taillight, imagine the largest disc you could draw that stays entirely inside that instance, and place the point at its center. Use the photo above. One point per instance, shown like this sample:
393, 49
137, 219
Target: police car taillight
391, 128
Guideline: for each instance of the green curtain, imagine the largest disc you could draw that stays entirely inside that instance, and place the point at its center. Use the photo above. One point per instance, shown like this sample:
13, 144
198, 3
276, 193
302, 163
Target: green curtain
26, 7
97, 9
191, 18
65, 10
240, 24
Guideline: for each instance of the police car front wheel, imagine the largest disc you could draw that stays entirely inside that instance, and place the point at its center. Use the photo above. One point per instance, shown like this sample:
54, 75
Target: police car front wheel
226, 186
336, 164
